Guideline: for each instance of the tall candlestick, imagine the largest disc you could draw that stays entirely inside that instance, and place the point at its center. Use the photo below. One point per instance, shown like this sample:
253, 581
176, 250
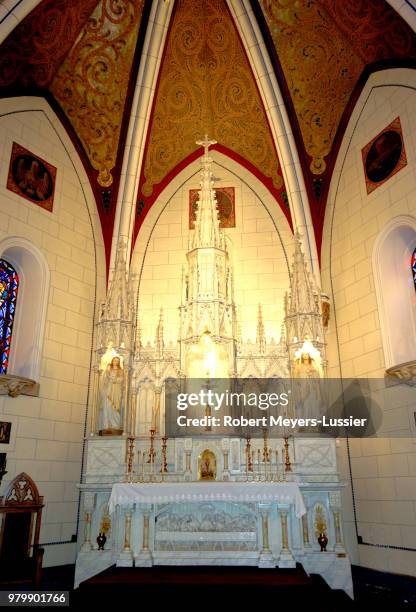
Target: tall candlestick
164, 466
138, 465
248, 455
265, 446
288, 466
130, 457
277, 464
152, 446
259, 463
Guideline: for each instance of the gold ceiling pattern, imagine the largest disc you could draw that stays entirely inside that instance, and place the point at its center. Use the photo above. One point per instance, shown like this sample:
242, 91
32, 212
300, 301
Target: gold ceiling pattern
91, 83
323, 46
206, 86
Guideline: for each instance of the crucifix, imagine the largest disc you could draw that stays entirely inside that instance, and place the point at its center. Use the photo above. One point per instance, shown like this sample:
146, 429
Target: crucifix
206, 143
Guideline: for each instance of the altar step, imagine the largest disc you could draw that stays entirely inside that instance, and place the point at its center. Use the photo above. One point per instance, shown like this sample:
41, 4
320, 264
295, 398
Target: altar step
166, 583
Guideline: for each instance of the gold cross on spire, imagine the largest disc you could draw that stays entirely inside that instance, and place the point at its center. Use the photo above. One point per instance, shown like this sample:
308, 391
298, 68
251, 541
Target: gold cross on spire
206, 143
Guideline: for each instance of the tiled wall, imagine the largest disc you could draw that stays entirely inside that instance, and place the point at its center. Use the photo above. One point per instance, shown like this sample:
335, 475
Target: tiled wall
47, 431
384, 469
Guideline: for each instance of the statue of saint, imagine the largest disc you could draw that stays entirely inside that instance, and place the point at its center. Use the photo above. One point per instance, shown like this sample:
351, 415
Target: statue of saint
111, 395
307, 374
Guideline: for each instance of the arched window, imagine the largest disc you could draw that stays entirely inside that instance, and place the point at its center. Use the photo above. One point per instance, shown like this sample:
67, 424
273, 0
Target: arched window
9, 284
394, 250
413, 264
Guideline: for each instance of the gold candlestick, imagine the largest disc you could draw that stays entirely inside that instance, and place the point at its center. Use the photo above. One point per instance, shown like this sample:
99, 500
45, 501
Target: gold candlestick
143, 462
270, 461
139, 453
152, 451
249, 461
259, 462
130, 457
265, 446
288, 466
164, 466
277, 464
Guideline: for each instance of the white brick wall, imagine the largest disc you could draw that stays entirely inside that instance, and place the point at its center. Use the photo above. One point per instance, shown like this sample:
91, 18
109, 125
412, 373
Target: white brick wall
383, 470
48, 431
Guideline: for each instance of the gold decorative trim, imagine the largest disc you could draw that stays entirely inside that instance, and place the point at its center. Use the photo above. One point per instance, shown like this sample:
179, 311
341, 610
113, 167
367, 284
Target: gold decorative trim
91, 84
206, 86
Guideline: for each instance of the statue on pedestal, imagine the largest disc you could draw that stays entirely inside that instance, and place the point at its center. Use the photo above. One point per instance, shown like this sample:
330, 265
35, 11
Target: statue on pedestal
111, 397
307, 372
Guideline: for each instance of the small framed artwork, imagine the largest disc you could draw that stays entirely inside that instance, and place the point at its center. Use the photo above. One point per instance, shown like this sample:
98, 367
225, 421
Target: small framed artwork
384, 156
5, 430
225, 206
31, 177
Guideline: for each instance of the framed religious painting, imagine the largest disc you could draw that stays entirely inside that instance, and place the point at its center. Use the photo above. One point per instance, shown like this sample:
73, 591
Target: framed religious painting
384, 156
31, 177
5, 429
225, 206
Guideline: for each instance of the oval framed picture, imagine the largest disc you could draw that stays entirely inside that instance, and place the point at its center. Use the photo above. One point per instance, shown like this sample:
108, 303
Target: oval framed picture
384, 156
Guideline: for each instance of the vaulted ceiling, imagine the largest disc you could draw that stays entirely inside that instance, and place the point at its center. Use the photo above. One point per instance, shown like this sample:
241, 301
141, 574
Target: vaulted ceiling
84, 55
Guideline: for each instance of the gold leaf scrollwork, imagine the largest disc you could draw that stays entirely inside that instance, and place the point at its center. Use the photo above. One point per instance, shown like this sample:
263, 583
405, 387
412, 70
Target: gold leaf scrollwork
206, 86
323, 46
91, 84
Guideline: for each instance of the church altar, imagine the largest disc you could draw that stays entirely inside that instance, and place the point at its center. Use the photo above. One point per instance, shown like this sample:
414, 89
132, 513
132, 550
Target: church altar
268, 500
123, 494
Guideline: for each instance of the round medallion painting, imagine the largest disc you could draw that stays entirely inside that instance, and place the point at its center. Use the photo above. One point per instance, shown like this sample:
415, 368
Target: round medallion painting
383, 156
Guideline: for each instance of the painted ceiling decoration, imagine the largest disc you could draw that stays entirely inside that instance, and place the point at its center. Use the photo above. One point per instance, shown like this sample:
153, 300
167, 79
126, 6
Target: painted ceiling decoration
322, 48
83, 57
206, 86
91, 83
34, 50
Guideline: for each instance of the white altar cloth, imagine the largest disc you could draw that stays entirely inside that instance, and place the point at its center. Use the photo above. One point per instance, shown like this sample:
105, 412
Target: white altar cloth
123, 494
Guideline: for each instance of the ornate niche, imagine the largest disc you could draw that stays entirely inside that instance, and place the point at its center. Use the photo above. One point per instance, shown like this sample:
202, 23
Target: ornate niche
207, 465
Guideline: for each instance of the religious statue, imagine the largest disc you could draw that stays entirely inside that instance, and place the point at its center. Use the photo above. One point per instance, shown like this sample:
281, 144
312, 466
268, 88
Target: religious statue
307, 373
111, 396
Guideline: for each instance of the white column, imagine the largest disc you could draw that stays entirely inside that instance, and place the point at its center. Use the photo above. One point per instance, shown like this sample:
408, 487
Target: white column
335, 505
281, 129
286, 558
144, 558
305, 531
125, 558
139, 120
89, 506
265, 558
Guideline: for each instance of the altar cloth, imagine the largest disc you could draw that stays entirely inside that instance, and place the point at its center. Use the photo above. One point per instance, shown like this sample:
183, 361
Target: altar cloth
123, 494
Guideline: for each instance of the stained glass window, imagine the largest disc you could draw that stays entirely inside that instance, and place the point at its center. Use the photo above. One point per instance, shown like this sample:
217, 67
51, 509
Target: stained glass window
414, 267
9, 283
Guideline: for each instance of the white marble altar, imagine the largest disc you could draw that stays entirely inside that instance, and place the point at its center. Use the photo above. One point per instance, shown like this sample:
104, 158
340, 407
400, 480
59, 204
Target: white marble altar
230, 521
125, 494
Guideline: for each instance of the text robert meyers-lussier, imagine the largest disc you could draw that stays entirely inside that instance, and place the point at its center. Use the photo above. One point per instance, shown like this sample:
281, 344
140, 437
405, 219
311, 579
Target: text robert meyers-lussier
268, 421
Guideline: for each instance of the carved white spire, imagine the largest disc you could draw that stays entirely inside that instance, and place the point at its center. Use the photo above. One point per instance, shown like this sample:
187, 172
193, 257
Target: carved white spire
207, 231
303, 319
303, 291
117, 313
